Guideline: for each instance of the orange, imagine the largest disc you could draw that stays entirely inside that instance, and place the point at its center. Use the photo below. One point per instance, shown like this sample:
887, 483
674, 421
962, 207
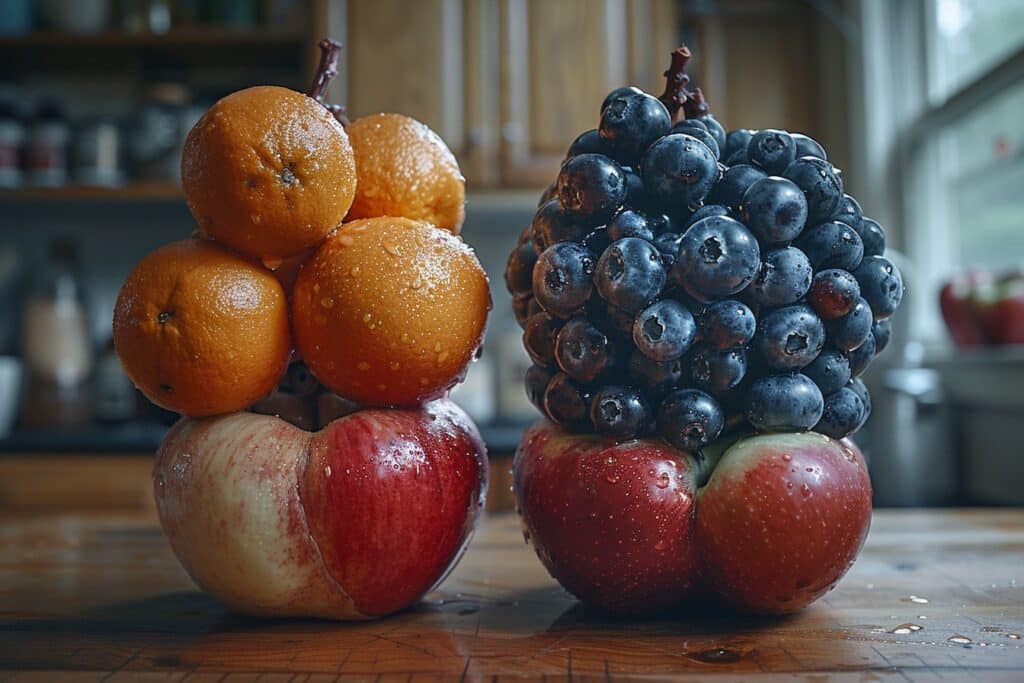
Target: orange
390, 311
405, 169
268, 171
201, 330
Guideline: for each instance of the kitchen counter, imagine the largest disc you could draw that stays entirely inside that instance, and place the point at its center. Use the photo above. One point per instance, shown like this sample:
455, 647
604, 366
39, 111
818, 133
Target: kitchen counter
935, 595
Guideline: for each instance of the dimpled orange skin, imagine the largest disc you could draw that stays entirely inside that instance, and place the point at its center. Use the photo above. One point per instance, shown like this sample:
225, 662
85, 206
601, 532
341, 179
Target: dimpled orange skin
405, 169
390, 311
268, 171
201, 330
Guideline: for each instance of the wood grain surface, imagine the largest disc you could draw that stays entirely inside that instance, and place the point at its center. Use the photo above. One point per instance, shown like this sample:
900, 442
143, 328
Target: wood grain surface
936, 595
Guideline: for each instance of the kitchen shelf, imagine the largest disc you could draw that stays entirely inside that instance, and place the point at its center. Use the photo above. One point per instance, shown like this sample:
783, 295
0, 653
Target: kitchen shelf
134, 191
179, 37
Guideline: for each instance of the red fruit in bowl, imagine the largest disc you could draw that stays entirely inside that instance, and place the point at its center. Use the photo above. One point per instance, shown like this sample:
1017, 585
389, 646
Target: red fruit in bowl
355, 521
629, 528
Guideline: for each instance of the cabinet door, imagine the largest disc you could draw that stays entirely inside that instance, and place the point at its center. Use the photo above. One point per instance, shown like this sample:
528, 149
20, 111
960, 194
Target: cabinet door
558, 61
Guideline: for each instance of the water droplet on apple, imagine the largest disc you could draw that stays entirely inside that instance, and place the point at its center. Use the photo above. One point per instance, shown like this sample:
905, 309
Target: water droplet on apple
612, 478
660, 545
662, 481
1013, 636
786, 457
805, 489
959, 639
915, 599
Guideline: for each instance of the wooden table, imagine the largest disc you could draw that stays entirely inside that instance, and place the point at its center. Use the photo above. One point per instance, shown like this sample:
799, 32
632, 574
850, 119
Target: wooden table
100, 597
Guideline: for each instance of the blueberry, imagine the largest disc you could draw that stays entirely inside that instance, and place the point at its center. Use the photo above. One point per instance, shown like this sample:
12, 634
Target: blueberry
655, 378
843, 414
587, 142
597, 240
550, 192
850, 331
881, 284
772, 150
629, 223
664, 330
718, 372
619, 92
689, 419
860, 358
848, 211
726, 324
615, 319
631, 122
857, 386
789, 338
784, 277
629, 274
537, 378
774, 209
618, 411
566, 403
737, 141
735, 182
668, 245
833, 294
784, 403
519, 268
808, 146
707, 211
660, 222
679, 171
715, 128
552, 225
636, 194
523, 306
562, 278
592, 187
821, 185
832, 245
737, 158
697, 129
582, 351
830, 370
718, 257
539, 338
872, 234
881, 330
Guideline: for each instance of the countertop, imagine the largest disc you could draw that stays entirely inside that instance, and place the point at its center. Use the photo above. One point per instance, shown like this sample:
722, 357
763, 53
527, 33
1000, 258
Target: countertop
99, 596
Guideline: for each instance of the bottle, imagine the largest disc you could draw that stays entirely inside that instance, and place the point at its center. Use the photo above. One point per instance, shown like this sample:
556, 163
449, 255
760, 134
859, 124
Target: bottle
46, 148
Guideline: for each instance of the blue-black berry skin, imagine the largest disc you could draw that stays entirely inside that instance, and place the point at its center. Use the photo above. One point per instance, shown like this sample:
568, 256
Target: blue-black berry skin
833, 293
519, 267
718, 257
830, 370
857, 386
636, 193
690, 419
549, 193
788, 402
850, 331
881, 330
619, 92
587, 142
718, 371
630, 223
523, 306
784, 278
656, 378
591, 187
707, 211
735, 182
808, 147
552, 225
789, 338
537, 378
630, 274
679, 171
727, 324
848, 211
820, 184
771, 150
582, 350
774, 209
872, 234
697, 129
630, 123
714, 127
843, 414
539, 338
667, 245
861, 356
567, 403
737, 141
619, 411
881, 284
664, 331
832, 244
562, 278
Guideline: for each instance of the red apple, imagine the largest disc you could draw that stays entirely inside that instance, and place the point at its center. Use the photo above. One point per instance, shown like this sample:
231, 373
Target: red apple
628, 527
355, 521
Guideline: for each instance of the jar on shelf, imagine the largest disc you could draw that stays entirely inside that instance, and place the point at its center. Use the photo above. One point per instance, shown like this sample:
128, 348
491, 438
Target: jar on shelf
46, 147
96, 153
12, 137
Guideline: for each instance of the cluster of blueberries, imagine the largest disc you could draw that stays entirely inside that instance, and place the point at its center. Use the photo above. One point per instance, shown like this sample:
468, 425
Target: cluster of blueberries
680, 280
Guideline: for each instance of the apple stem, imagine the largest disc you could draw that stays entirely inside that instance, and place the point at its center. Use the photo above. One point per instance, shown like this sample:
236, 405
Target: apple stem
326, 70
678, 96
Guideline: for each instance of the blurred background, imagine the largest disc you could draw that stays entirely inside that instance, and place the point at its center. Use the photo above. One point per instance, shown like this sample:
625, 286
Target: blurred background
920, 102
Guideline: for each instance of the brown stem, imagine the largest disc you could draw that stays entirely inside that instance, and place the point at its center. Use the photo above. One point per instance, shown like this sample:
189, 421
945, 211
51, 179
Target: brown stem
326, 70
677, 95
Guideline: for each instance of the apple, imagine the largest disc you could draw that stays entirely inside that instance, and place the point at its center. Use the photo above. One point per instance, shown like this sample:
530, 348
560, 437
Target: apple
634, 526
355, 521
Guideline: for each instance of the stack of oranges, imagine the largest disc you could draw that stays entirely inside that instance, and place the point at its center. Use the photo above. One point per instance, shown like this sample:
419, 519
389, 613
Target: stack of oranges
337, 247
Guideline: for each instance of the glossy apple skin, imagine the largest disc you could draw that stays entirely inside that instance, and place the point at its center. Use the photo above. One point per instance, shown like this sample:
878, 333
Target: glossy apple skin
352, 522
613, 523
624, 526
